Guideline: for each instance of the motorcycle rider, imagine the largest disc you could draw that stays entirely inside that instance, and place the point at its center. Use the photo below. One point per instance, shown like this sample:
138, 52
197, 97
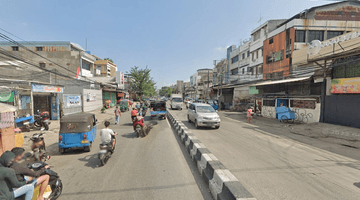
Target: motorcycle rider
139, 121
23, 173
10, 187
107, 135
133, 114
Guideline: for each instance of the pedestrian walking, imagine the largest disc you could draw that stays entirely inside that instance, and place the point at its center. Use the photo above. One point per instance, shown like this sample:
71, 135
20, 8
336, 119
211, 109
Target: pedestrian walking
117, 114
249, 114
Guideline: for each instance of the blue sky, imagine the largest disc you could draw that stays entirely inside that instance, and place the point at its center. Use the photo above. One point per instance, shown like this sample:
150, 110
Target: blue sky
174, 38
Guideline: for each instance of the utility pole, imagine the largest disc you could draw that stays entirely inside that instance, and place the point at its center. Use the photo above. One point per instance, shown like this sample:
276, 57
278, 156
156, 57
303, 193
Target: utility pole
208, 87
219, 96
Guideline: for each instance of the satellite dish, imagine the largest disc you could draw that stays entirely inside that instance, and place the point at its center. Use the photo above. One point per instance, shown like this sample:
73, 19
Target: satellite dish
314, 47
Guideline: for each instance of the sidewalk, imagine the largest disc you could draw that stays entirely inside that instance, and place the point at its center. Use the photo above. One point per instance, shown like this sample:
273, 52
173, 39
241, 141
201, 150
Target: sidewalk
52, 136
343, 135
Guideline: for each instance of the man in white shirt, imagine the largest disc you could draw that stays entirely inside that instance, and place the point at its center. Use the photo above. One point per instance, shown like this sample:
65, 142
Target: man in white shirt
107, 135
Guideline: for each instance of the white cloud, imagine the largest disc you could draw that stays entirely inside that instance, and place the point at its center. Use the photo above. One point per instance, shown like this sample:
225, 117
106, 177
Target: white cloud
25, 24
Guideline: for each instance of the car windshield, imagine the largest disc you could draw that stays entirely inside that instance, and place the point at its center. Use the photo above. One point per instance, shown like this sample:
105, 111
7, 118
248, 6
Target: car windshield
177, 100
205, 109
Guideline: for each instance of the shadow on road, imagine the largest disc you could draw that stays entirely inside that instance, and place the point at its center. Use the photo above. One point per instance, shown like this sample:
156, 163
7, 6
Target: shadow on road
357, 184
128, 124
192, 126
91, 161
129, 135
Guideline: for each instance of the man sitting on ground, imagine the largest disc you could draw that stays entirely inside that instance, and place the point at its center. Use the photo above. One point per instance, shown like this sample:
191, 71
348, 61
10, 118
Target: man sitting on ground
25, 174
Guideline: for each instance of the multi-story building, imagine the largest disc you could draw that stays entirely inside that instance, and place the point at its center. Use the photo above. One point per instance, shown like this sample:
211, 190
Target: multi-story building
219, 71
317, 23
228, 58
258, 36
106, 68
240, 70
205, 81
67, 58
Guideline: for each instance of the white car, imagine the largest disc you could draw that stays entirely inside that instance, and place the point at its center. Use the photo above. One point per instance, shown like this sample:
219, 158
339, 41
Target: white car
203, 115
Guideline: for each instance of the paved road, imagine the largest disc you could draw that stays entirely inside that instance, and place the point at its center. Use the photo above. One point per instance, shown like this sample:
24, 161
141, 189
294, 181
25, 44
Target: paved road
274, 167
153, 167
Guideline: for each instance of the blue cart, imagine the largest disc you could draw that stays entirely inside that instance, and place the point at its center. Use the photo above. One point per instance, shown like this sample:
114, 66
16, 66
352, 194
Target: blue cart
285, 115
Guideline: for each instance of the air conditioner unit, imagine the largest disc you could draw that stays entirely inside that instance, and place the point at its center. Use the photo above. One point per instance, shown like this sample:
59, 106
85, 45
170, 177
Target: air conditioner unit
98, 72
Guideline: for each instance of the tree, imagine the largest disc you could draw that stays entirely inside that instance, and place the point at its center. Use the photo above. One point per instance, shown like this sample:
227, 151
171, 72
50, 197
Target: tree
167, 91
141, 82
109, 59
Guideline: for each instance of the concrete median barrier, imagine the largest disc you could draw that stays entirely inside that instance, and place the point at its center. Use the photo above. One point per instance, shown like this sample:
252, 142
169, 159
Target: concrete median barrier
221, 182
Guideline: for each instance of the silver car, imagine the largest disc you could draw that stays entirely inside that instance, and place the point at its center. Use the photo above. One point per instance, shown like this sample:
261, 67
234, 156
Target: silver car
203, 115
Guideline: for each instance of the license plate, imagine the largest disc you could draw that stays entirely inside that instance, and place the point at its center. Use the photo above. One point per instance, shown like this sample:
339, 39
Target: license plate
84, 141
102, 151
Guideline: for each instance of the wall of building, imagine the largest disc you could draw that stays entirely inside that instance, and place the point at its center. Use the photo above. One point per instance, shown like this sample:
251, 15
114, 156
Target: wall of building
280, 67
92, 99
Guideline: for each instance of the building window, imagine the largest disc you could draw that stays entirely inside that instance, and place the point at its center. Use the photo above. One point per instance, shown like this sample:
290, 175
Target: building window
42, 65
234, 71
332, 34
271, 40
316, 35
86, 65
15, 48
243, 56
243, 71
248, 53
256, 36
260, 70
299, 36
39, 48
235, 59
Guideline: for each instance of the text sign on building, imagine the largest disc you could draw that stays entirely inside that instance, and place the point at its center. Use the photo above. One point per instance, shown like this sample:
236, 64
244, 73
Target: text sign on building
46, 88
345, 85
90, 97
253, 90
73, 100
318, 45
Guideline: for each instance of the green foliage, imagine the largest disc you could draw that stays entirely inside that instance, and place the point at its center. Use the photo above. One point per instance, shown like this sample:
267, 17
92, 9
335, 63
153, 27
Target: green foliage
141, 82
109, 59
166, 91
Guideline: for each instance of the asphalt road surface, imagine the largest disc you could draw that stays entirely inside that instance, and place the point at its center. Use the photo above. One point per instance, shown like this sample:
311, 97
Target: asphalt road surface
154, 167
275, 167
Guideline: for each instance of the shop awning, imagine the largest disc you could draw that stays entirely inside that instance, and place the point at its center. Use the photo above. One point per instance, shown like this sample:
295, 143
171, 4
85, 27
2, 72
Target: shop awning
7, 108
282, 81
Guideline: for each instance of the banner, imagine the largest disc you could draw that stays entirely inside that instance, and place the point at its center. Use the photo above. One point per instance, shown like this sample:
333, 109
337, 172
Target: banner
46, 88
345, 85
6, 95
90, 97
73, 100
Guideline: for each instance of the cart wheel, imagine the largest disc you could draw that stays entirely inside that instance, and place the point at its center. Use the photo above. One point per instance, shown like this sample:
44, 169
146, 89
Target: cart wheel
62, 150
284, 119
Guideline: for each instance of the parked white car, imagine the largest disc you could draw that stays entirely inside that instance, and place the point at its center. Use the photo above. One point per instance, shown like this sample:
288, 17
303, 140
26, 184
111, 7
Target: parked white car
203, 115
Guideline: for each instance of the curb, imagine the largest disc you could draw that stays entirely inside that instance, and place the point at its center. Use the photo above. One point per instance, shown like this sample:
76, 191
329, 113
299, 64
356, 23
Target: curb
222, 183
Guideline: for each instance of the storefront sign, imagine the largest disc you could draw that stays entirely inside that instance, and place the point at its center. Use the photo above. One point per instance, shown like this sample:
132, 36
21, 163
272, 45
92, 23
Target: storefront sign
318, 45
345, 85
73, 100
90, 97
6, 95
253, 90
46, 88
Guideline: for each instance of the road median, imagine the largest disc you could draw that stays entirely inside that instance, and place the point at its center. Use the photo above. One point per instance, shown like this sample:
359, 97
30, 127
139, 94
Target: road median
221, 182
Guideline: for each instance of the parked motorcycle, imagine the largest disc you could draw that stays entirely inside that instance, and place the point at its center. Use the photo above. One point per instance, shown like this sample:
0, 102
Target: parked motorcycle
42, 119
105, 152
38, 147
54, 181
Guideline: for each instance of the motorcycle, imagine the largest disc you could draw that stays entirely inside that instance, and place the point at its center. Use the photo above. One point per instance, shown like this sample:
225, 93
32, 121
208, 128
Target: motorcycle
139, 132
144, 112
105, 152
38, 147
55, 182
42, 120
